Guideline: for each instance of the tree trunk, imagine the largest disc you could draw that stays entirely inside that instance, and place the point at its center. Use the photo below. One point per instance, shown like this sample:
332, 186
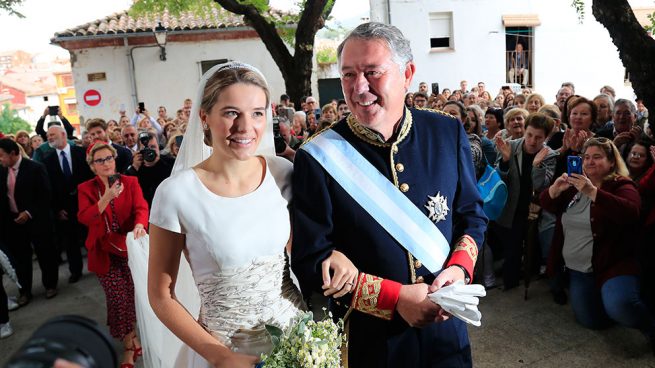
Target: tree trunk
636, 47
296, 69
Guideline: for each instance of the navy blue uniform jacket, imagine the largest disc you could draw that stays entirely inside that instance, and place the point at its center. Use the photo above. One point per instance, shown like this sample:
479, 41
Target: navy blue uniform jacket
428, 154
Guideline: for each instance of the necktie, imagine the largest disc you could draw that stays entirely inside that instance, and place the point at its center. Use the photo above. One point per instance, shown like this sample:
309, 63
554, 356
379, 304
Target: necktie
11, 186
65, 166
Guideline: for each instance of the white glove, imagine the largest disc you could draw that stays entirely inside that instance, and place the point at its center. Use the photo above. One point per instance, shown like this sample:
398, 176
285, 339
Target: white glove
461, 301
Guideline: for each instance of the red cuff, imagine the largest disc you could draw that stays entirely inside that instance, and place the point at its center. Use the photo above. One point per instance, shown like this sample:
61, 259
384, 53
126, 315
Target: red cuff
465, 254
376, 296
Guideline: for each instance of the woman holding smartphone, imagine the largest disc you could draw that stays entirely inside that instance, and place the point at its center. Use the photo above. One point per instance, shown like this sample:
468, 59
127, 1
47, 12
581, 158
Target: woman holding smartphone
111, 205
596, 239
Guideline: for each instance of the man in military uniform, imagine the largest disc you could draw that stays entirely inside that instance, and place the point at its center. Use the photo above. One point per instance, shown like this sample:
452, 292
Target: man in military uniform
425, 155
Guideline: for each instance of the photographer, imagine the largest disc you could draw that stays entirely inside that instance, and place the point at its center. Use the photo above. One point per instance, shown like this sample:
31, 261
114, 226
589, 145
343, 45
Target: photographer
149, 166
67, 125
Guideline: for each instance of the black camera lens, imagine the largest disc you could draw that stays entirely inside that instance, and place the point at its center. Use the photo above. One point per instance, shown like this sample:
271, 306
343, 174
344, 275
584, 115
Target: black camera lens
149, 154
73, 338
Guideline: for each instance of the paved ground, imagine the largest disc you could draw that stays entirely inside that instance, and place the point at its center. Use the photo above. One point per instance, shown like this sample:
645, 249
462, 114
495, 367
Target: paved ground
514, 332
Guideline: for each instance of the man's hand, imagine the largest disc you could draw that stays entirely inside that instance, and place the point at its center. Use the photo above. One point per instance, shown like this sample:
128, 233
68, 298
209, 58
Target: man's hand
540, 156
447, 277
137, 161
415, 307
22, 218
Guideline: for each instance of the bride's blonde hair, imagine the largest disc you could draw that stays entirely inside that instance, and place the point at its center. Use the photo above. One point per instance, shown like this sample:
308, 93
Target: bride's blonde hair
223, 79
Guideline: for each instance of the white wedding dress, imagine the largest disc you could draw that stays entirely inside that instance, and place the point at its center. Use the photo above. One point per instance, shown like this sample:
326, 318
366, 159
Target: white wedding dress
236, 250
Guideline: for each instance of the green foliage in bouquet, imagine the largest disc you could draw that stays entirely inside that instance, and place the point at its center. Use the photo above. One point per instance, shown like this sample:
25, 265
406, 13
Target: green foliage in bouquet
306, 344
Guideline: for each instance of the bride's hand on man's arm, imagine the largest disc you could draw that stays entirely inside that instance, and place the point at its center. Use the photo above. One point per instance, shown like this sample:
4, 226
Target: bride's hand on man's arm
344, 275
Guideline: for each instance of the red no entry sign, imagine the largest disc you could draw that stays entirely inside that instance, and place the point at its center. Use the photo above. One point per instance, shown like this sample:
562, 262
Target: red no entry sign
92, 97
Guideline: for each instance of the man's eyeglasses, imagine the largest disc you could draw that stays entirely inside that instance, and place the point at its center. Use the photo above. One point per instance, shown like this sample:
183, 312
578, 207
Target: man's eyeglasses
101, 161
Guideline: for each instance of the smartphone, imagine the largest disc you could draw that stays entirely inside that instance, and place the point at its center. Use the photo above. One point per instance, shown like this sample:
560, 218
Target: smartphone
178, 141
435, 88
574, 165
53, 110
45, 98
142, 107
113, 178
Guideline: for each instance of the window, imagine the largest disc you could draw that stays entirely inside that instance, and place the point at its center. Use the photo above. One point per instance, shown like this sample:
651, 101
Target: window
441, 30
67, 80
519, 48
208, 64
72, 109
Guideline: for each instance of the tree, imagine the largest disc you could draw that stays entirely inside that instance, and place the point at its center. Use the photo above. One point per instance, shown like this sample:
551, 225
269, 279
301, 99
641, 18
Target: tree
10, 122
636, 47
296, 68
9, 6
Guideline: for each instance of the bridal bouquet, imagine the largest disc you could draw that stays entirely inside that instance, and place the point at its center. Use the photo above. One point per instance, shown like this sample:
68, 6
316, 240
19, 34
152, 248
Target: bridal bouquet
306, 344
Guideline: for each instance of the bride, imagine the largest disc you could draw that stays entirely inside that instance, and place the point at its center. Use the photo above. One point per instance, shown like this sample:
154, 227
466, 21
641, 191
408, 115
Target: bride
225, 209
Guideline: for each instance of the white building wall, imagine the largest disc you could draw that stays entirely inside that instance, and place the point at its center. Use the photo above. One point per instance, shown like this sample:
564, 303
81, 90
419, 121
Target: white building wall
165, 83
564, 49
35, 105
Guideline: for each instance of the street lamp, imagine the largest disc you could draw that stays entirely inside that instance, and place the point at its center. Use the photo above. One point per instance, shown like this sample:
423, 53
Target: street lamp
160, 37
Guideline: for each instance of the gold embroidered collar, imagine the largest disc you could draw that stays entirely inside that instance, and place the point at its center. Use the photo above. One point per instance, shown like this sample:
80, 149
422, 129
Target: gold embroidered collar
375, 138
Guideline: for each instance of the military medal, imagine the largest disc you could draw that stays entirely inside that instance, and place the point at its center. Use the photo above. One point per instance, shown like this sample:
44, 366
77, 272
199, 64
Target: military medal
438, 207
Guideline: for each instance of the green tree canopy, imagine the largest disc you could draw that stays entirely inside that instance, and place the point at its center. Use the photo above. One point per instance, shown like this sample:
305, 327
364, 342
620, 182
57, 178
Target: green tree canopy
10, 122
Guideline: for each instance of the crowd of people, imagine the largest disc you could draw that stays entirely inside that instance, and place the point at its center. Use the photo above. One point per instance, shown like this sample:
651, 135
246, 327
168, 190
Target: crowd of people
588, 231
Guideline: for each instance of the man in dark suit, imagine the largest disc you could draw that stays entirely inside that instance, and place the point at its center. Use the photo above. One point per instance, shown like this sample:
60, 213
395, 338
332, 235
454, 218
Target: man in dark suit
25, 210
67, 168
97, 129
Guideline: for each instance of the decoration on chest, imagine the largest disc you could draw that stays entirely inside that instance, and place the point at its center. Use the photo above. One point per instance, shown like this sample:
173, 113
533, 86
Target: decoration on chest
438, 207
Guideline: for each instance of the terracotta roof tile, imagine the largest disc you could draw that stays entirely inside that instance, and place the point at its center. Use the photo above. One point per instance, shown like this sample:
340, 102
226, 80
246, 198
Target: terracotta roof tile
214, 17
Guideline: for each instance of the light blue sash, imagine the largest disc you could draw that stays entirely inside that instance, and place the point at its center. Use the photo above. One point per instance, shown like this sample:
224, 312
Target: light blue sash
380, 198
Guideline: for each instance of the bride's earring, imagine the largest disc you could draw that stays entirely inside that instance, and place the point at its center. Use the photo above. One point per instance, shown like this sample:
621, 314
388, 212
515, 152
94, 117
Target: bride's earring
204, 125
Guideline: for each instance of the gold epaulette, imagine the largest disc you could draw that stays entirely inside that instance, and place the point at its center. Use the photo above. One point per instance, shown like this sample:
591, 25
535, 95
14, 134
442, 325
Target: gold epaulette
435, 111
317, 133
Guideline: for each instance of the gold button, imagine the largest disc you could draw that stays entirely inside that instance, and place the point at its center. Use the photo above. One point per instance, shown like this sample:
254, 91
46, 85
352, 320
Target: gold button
400, 167
419, 280
404, 187
394, 149
417, 264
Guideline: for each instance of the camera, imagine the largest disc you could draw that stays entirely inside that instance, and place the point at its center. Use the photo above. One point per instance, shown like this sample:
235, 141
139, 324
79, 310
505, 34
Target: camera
73, 338
142, 107
278, 140
149, 154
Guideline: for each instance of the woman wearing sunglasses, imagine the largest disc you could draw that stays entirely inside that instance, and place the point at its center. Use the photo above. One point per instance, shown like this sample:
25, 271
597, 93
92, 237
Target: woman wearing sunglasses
111, 205
596, 239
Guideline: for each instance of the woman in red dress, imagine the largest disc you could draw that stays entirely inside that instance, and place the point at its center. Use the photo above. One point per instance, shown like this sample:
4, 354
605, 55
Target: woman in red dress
110, 206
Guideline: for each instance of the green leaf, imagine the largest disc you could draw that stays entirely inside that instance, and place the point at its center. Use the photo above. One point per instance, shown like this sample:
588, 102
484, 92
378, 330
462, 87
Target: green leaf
274, 331
10, 122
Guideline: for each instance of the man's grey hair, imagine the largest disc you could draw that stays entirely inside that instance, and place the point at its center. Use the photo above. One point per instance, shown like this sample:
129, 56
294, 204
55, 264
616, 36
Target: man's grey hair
570, 85
300, 114
628, 103
609, 98
401, 52
57, 127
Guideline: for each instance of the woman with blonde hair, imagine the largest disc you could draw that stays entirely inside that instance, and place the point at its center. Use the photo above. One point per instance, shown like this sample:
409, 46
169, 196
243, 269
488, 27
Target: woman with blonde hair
225, 209
110, 206
515, 123
596, 240
534, 102
23, 140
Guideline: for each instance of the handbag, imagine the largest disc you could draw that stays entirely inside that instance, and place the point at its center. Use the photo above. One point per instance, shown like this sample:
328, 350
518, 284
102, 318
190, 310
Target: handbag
113, 241
493, 191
